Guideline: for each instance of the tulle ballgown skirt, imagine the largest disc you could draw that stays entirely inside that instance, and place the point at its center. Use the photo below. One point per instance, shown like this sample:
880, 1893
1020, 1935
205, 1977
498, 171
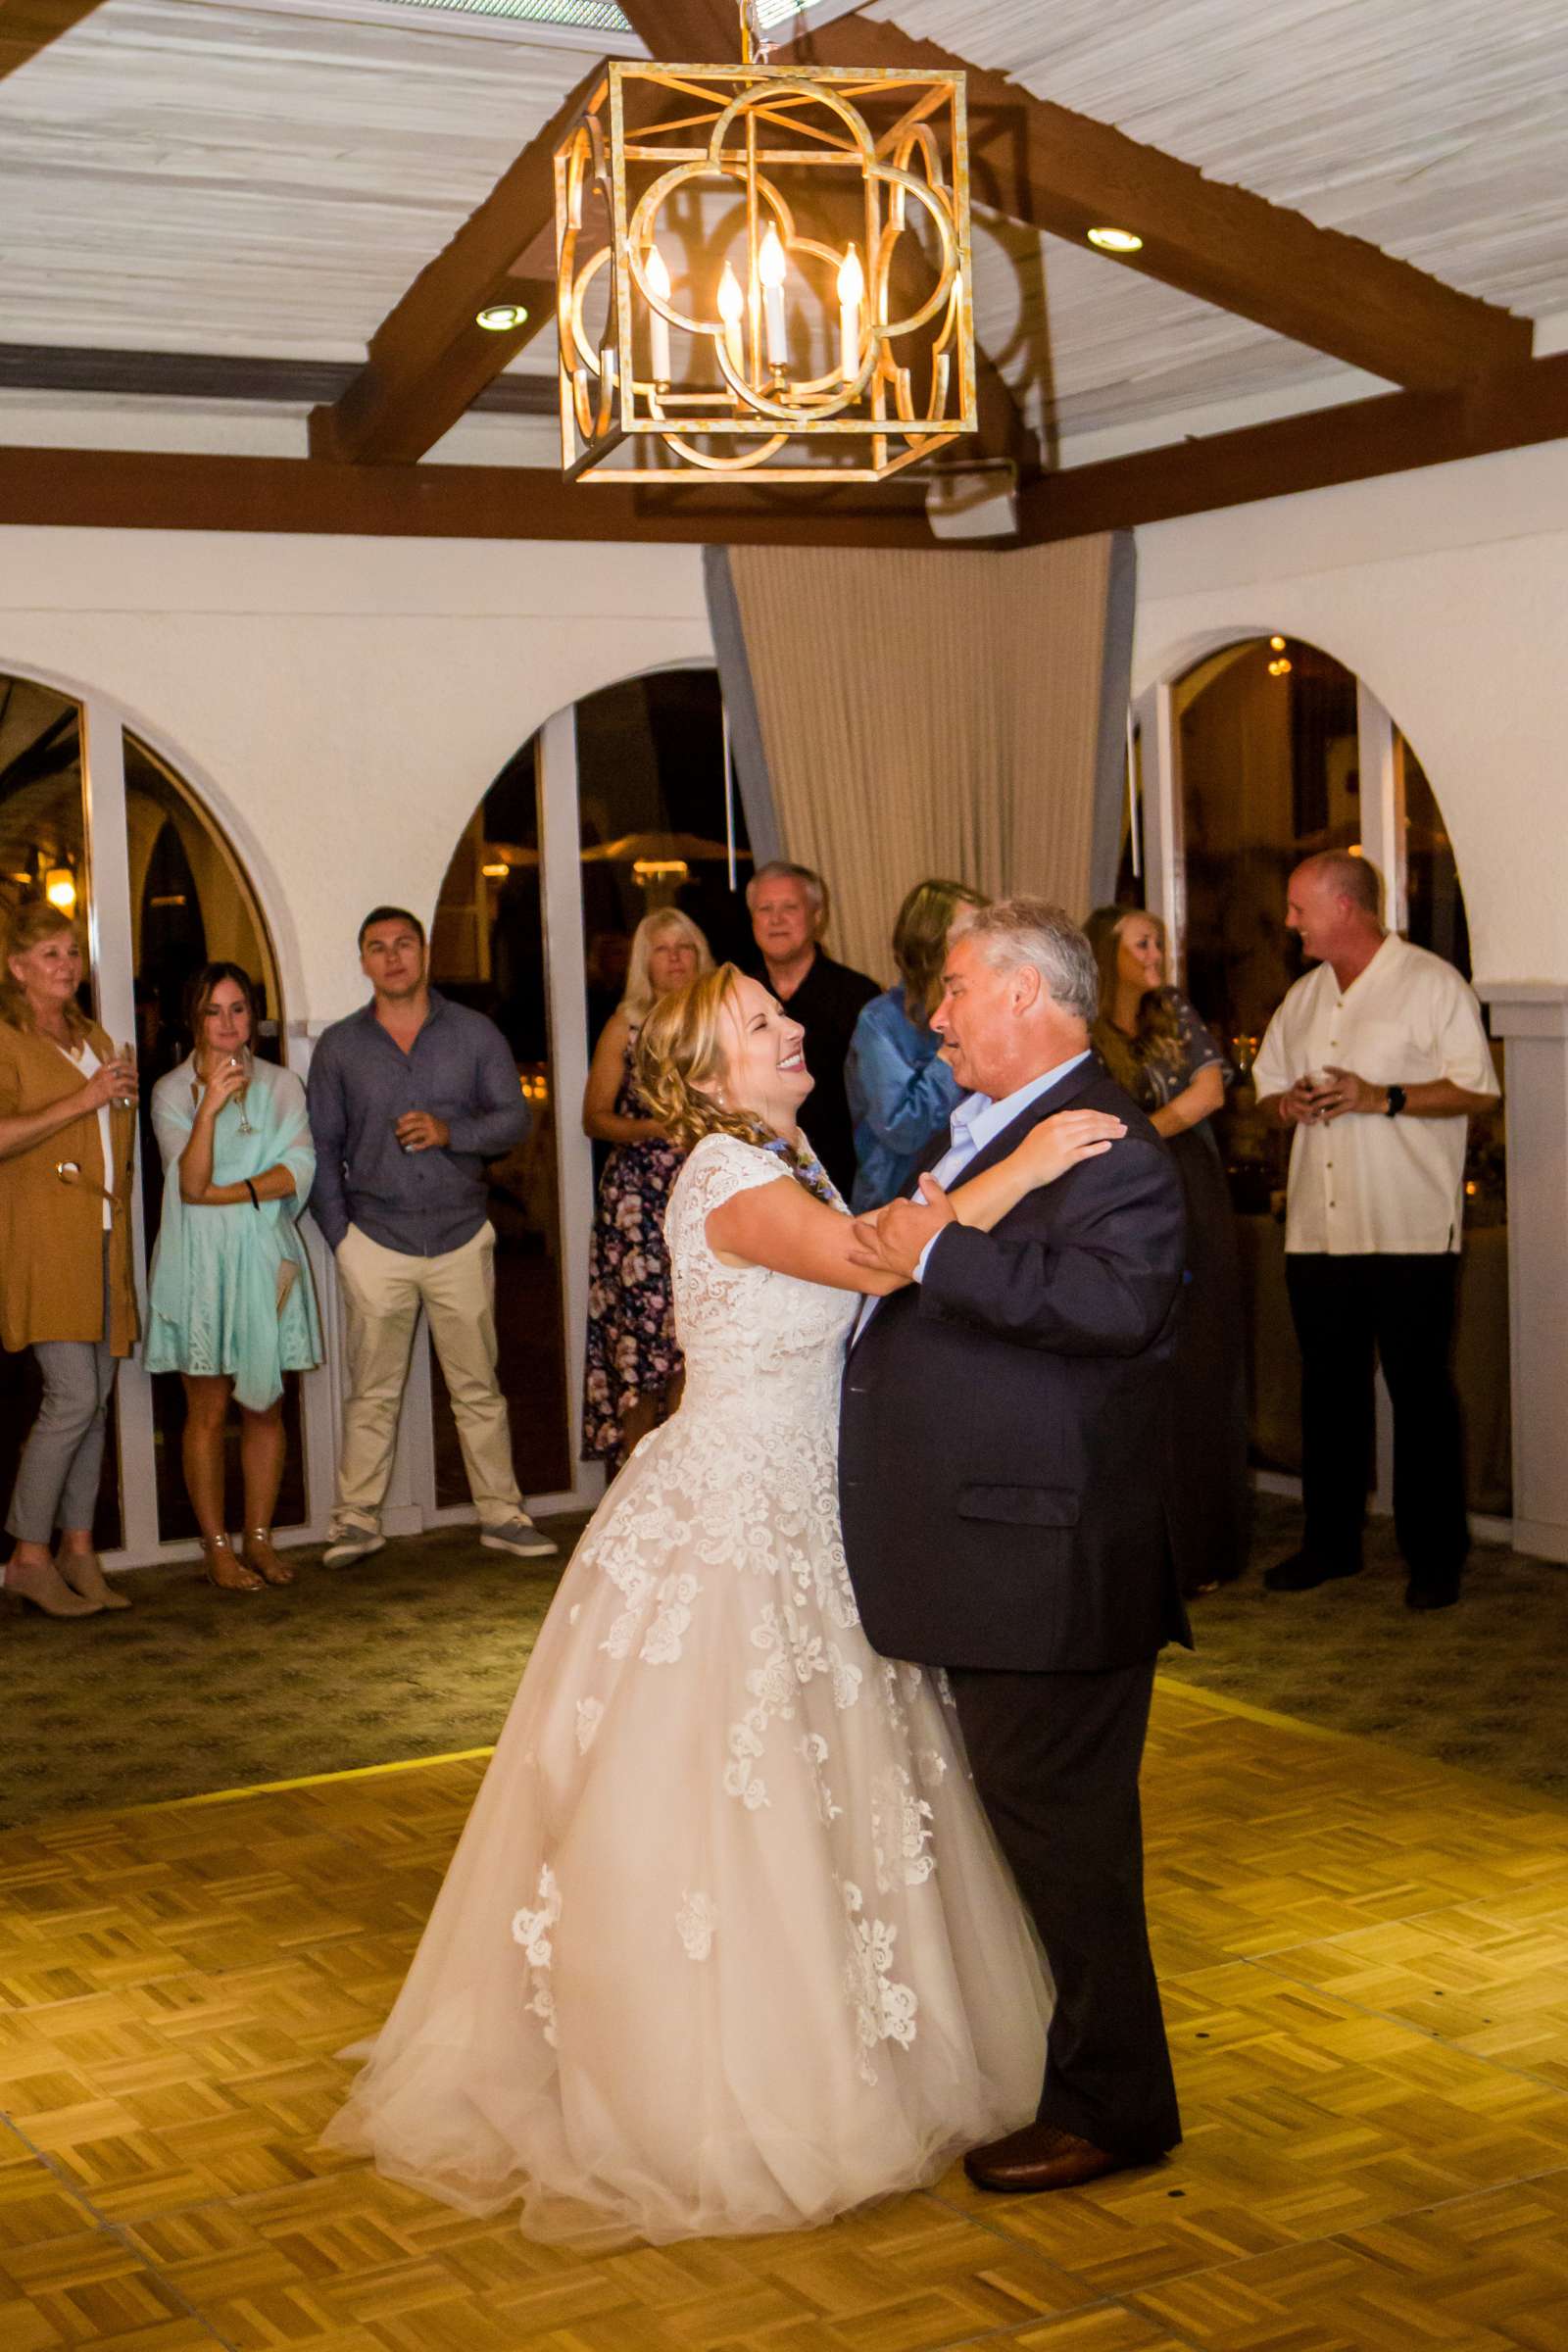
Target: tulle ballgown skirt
727, 1945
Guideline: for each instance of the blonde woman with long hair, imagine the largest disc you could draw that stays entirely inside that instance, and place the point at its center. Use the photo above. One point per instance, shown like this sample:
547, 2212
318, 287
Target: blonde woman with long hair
632, 1370
765, 1961
67, 1135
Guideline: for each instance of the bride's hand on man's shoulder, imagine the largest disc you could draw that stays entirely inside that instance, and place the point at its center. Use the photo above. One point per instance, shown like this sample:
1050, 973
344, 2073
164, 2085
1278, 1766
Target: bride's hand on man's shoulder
1060, 1143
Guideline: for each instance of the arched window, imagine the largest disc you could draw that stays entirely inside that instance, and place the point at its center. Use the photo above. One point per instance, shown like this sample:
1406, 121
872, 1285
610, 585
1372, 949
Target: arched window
1276, 750
620, 804
98, 820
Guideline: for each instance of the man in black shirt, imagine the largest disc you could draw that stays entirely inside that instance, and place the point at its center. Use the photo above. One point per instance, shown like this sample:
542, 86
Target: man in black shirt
787, 904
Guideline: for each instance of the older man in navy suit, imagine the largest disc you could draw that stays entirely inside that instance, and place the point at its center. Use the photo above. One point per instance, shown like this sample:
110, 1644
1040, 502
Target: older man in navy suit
1002, 1466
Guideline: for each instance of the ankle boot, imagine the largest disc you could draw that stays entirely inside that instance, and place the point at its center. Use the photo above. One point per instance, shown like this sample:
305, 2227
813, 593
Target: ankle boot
83, 1573
45, 1588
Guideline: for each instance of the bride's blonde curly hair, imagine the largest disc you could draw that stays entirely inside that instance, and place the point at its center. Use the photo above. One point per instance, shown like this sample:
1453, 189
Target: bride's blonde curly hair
680, 1062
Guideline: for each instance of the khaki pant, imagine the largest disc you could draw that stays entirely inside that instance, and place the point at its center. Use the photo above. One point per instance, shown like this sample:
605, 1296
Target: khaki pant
383, 1290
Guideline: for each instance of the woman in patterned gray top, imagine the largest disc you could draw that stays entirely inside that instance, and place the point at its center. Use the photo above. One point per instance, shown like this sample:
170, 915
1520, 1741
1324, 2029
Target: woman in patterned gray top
1154, 1044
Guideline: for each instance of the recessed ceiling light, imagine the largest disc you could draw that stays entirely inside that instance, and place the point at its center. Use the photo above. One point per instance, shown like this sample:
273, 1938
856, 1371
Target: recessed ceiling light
1278, 644
1116, 240
499, 318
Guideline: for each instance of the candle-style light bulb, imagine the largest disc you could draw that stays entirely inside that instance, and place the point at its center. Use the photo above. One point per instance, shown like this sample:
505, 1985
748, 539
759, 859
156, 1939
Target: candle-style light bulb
852, 293
733, 310
770, 268
657, 276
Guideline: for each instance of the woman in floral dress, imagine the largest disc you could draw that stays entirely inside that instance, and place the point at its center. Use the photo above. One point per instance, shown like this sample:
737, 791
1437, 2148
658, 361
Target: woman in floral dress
633, 1370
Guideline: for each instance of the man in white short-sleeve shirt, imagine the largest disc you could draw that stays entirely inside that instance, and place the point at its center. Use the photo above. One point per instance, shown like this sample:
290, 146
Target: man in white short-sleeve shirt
1377, 1061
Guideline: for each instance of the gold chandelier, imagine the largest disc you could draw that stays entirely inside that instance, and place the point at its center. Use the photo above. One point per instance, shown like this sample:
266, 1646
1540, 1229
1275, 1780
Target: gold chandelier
764, 271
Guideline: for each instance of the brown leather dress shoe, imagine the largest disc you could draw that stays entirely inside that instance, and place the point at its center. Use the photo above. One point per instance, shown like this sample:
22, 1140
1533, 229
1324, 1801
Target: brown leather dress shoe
1040, 2156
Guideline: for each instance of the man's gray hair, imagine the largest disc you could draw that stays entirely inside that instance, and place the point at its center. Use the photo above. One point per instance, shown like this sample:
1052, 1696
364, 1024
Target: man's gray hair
811, 882
1019, 931
1348, 876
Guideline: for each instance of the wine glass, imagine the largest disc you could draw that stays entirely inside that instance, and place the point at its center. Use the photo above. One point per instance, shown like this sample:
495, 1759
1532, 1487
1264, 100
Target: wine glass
243, 1060
126, 1053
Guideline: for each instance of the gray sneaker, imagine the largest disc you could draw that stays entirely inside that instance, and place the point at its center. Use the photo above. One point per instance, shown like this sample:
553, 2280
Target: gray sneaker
354, 1544
520, 1538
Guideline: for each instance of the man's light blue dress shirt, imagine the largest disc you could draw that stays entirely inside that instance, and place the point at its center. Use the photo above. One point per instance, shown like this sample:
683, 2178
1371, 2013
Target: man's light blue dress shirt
976, 1122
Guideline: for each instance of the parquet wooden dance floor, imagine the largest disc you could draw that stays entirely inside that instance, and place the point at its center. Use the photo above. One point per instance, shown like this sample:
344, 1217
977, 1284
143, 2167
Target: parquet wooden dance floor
1365, 1963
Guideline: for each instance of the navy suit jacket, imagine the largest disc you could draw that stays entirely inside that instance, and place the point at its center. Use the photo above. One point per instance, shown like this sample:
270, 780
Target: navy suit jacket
1004, 1450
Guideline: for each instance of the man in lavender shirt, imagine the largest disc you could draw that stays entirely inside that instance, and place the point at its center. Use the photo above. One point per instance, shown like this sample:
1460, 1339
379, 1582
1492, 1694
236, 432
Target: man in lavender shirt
408, 1098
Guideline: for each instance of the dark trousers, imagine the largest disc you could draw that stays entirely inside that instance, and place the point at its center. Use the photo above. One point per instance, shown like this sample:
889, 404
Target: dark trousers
1056, 1760
1351, 1313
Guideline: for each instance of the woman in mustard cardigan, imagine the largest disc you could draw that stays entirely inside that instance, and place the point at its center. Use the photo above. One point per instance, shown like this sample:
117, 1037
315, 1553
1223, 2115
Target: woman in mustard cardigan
68, 1133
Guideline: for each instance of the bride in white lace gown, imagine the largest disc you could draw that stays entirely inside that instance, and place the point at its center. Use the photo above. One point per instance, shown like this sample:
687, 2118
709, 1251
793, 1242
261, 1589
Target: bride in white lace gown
727, 1945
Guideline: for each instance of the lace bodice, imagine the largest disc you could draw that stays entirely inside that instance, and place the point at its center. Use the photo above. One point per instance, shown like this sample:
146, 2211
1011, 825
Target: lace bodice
750, 1338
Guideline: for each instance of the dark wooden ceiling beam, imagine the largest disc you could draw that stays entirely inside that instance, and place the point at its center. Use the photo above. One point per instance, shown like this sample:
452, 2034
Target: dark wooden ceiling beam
1055, 169
29, 26
688, 32
160, 490
1397, 432
214, 375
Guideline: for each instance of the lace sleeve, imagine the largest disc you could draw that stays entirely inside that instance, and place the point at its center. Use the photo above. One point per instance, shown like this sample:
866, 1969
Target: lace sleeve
717, 1168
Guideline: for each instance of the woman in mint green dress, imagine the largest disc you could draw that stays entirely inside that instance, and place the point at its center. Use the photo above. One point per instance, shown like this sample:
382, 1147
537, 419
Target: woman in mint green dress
230, 1303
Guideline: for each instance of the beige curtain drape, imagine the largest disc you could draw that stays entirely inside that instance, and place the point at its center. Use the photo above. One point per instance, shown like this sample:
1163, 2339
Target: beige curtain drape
928, 713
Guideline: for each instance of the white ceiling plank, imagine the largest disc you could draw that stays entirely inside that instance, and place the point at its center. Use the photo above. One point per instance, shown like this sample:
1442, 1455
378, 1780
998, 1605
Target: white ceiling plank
268, 175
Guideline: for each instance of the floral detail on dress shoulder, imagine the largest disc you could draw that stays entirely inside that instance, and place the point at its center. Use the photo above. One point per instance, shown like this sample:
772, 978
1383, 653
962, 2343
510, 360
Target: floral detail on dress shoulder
532, 1929
717, 1168
695, 1922
884, 2010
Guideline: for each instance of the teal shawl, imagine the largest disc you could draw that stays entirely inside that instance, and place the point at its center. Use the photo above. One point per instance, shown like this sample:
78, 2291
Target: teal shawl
219, 1274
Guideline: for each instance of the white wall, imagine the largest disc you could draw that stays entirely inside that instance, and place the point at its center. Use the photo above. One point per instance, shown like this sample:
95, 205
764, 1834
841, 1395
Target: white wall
1447, 592
345, 701
342, 702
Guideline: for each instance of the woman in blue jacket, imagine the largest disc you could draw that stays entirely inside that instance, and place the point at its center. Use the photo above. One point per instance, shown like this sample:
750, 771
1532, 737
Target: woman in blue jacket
900, 1094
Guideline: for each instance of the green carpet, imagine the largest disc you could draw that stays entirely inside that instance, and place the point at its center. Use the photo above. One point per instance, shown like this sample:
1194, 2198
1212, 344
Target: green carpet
1479, 1686
418, 1652
414, 1653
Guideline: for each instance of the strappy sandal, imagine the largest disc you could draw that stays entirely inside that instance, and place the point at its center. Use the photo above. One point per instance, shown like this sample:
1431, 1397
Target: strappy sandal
223, 1568
260, 1556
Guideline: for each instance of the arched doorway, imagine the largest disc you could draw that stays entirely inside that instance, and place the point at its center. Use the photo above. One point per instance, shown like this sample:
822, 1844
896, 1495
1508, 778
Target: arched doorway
1257, 750
620, 804
99, 819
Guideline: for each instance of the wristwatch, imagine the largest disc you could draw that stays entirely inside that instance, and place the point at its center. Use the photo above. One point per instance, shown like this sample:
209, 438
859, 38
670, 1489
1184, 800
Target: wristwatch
1396, 1095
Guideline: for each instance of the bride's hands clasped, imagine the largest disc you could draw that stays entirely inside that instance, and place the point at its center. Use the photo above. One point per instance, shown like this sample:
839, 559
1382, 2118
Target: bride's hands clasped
891, 1240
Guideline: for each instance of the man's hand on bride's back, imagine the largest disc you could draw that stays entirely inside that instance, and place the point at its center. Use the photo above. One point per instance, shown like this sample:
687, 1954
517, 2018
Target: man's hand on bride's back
1058, 1144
